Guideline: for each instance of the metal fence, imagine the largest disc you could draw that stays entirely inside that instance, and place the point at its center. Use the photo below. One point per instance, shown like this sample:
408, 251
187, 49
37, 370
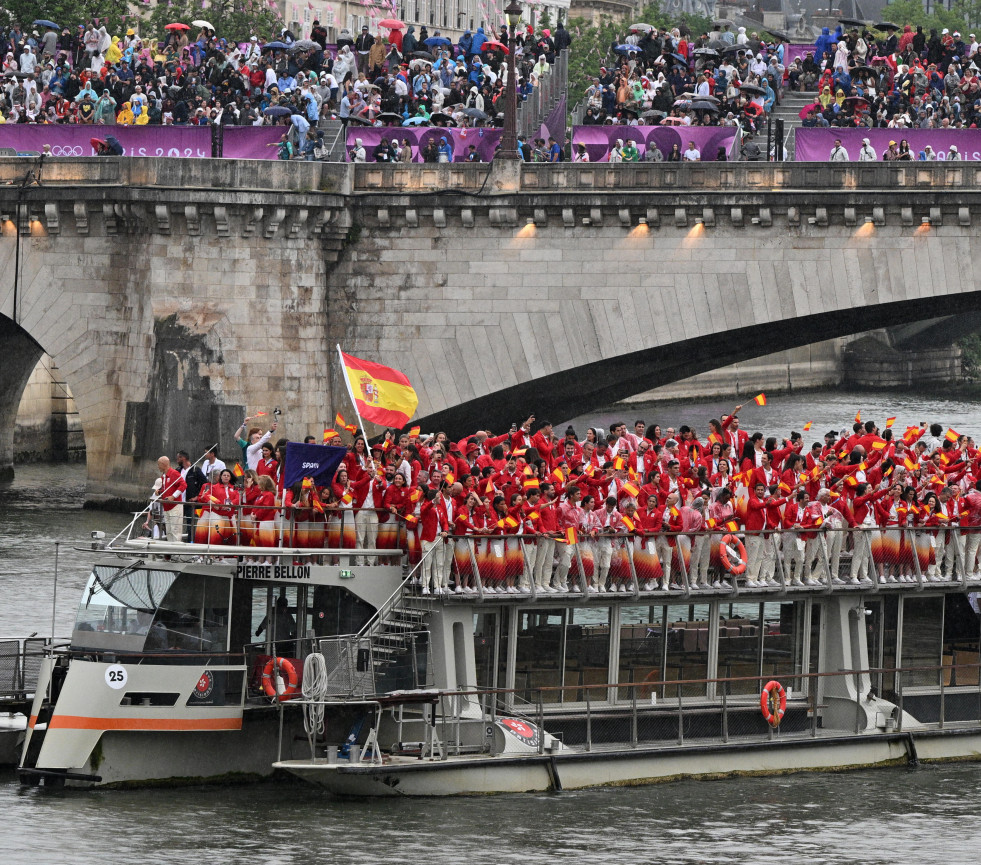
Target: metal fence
552, 87
710, 561
20, 665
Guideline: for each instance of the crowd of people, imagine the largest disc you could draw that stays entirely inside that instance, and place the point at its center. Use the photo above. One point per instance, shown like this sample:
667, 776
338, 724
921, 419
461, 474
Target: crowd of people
891, 79
394, 76
529, 510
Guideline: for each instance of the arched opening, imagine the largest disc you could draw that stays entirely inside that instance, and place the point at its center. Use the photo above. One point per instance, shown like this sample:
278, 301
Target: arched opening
38, 421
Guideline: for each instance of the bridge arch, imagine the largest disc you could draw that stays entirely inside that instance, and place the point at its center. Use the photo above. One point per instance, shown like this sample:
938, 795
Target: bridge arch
21, 353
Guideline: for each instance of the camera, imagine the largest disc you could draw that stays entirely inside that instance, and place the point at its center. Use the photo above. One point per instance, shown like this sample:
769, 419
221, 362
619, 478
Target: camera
277, 412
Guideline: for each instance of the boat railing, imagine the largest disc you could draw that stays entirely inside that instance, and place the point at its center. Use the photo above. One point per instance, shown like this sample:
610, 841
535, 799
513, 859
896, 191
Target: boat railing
361, 535
724, 559
655, 713
20, 665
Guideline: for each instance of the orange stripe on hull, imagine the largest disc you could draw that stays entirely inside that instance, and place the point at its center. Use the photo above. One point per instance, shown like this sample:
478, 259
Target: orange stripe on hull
79, 722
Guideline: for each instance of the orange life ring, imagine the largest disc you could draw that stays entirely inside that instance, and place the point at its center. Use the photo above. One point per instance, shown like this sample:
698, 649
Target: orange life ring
738, 551
288, 671
773, 703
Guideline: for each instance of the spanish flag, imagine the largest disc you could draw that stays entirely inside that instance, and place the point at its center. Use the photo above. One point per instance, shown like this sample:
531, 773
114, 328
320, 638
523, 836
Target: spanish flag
675, 512
571, 535
330, 434
317, 504
760, 399
449, 477
531, 484
307, 484
713, 438
890, 421
630, 489
732, 526
912, 465
808, 425
382, 395
858, 417
414, 432
237, 471
619, 463
952, 436
629, 523
558, 476
879, 445
512, 522
339, 420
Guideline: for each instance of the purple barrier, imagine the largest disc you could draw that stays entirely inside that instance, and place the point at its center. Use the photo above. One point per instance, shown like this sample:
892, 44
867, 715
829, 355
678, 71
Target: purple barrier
814, 145
72, 140
794, 50
485, 139
249, 142
599, 140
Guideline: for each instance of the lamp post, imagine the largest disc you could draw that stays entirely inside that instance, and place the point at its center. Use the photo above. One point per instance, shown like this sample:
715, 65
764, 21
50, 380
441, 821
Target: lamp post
509, 138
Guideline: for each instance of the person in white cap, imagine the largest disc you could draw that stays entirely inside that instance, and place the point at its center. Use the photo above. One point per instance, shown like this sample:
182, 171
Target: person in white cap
954, 154
867, 153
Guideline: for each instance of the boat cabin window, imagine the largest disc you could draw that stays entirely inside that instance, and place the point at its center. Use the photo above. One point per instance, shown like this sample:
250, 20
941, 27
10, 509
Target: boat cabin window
484, 643
960, 645
138, 609
761, 640
562, 650
922, 640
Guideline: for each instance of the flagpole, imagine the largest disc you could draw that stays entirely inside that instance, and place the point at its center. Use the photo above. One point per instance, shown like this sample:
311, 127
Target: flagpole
350, 391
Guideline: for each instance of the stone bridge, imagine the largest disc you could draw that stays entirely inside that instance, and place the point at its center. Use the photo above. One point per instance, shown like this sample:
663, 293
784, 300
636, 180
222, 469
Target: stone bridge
175, 295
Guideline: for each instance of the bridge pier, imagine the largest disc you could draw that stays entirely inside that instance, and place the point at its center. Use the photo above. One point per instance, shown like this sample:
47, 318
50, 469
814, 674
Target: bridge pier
20, 355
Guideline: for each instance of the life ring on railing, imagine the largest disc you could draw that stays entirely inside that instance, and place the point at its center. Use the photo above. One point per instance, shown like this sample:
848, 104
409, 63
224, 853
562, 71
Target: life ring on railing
733, 554
287, 672
773, 703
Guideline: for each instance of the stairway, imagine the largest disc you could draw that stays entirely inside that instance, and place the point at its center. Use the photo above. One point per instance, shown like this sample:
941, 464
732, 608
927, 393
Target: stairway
335, 139
789, 110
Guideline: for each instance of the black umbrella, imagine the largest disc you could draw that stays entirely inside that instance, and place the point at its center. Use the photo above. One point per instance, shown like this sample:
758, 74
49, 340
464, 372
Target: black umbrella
706, 52
717, 45
440, 116
359, 121
389, 117
733, 49
651, 115
851, 22
702, 105
422, 55
723, 22
476, 114
752, 88
862, 70
886, 25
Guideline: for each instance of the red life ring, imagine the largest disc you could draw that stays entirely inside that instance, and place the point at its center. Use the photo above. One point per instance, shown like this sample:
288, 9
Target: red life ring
773, 703
730, 545
288, 672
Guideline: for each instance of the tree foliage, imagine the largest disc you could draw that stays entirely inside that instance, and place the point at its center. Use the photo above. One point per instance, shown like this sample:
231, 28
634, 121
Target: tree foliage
591, 43
962, 14
68, 13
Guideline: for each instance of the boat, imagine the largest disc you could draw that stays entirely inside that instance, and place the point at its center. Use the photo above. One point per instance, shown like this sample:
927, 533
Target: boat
197, 663
20, 659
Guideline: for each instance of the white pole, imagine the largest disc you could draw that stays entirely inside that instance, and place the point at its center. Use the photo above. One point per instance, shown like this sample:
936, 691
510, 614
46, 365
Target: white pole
350, 390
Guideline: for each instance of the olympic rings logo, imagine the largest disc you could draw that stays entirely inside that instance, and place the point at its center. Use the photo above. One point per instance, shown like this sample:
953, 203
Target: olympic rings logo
66, 150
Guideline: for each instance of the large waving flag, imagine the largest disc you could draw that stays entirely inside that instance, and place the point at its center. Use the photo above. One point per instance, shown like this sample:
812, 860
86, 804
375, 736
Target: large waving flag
381, 394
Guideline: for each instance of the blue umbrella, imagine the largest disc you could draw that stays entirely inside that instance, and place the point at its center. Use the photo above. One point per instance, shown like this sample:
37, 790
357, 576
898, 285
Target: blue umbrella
415, 121
275, 46
42, 23
680, 58
437, 40
625, 49
277, 111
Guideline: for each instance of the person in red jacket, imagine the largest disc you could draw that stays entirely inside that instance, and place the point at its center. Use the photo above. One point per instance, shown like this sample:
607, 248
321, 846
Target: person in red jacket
171, 496
432, 534
369, 500
220, 500
865, 538
760, 548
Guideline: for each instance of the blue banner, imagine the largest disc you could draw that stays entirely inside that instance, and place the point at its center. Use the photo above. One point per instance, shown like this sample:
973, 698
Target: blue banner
319, 462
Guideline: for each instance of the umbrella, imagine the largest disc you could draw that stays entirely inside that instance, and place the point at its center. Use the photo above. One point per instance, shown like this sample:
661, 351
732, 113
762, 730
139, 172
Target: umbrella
862, 70
856, 101
202, 23
641, 28
851, 22
682, 102
391, 24
704, 105
275, 46
440, 116
650, 115
673, 121
433, 41
752, 88
414, 121
422, 55
41, 22
277, 111
734, 49
723, 22
476, 114
706, 52
491, 45
389, 117
807, 109
625, 49
359, 121
176, 26
886, 25
304, 45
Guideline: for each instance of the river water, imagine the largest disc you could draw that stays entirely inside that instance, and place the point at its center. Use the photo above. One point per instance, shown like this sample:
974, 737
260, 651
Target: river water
928, 814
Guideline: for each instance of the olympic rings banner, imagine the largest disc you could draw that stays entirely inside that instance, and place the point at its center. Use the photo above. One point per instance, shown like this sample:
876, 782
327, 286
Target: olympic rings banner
186, 142
814, 145
485, 139
599, 140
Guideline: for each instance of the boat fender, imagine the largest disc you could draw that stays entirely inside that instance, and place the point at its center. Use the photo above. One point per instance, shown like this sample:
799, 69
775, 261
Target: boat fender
733, 554
773, 703
273, 681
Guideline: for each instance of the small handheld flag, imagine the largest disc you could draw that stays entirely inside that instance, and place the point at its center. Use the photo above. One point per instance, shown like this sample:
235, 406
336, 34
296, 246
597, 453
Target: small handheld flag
330, 434
760, 399
629, 523
732, 525
808, 425
237, 471
260, 414
858, 417
307, 484
890, 421
952, 436
414, 432
630, 489
339, 420
571, 535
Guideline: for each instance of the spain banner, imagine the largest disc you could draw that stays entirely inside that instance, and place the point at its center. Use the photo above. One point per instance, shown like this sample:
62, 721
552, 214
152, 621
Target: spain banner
381, 394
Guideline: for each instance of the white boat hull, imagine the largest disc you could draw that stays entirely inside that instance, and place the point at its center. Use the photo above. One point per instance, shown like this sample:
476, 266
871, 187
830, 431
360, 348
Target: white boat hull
577, 770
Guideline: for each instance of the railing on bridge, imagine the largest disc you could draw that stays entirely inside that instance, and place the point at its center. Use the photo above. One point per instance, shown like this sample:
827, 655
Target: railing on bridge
548, 97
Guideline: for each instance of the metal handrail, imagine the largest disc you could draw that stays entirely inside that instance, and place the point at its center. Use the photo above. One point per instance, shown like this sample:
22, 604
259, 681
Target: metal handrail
393, 599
